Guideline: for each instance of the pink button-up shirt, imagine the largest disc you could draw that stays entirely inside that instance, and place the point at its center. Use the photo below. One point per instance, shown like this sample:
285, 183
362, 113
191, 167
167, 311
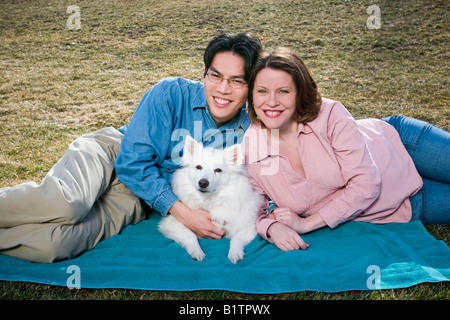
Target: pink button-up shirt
355, 170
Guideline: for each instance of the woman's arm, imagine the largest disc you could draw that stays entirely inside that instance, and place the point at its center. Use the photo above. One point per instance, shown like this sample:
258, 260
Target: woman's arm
362, 181
297, 223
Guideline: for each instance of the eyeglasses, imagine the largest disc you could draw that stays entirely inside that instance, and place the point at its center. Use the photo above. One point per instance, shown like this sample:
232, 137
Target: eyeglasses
234, 83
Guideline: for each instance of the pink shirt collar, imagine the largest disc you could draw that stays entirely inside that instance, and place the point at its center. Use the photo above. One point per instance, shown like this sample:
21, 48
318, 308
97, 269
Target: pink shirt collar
262, 149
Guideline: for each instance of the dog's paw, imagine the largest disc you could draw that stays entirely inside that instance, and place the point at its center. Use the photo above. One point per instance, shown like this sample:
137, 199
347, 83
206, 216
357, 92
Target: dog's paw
235, 255
198, 255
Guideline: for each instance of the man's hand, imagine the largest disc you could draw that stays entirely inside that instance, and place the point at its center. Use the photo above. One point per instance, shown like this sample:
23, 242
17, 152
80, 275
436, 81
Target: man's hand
198, 221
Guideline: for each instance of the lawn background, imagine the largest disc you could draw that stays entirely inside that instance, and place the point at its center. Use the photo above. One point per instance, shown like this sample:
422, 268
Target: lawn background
59, 83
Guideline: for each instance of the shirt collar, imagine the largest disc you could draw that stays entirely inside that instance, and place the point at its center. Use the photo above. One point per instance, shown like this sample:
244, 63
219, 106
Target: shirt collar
303, 128
200, 100
257, 145
259, 148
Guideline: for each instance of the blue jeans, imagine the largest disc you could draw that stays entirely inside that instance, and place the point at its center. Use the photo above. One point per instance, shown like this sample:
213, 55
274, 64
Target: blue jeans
429, 147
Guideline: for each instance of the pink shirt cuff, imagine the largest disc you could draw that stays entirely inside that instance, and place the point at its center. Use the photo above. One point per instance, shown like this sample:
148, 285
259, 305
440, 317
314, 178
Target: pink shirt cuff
263, 225
331, 219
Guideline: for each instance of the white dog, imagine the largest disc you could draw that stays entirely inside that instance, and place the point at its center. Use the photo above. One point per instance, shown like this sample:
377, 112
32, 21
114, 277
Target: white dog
215, 181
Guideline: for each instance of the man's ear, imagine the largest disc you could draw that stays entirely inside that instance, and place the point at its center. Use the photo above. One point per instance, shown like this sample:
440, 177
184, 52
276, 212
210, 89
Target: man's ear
234, 156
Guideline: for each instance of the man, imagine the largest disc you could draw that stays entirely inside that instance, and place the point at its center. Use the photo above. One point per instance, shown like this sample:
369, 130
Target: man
85, 199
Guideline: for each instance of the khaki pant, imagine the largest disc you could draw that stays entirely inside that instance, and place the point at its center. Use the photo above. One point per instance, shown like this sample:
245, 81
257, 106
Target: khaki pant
79, 203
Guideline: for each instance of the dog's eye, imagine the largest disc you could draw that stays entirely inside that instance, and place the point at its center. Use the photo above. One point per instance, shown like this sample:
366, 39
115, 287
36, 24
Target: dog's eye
218, 170
199, 167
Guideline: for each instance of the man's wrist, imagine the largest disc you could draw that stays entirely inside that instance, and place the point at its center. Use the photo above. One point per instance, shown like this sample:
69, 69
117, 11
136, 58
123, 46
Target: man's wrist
178, 210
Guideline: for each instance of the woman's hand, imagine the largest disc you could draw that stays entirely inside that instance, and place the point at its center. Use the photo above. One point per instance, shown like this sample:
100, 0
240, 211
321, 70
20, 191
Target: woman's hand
285, 238
289, 218
297, 223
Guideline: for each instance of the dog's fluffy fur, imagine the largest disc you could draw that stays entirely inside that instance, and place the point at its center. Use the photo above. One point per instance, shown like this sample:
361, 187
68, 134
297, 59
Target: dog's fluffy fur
215, 181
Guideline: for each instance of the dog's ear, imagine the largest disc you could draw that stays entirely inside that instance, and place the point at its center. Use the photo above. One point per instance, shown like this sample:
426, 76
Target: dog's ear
234, 155
190, 148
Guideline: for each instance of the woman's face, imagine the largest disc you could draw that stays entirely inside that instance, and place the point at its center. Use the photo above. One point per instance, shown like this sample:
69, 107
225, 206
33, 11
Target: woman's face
274, 99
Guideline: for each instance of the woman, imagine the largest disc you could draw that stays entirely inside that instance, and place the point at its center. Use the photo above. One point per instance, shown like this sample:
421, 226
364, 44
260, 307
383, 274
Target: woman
322, 168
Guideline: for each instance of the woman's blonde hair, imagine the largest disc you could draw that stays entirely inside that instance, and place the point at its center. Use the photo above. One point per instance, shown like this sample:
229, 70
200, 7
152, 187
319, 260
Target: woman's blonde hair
285, 59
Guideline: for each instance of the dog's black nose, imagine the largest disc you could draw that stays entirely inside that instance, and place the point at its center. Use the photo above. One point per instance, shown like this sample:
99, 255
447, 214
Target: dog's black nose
203, 183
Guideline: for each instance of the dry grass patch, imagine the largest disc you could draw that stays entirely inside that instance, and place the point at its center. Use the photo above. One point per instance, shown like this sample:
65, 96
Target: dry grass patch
58, 84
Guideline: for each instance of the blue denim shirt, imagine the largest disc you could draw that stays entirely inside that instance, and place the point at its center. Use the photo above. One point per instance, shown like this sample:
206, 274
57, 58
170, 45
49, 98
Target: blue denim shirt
152, 144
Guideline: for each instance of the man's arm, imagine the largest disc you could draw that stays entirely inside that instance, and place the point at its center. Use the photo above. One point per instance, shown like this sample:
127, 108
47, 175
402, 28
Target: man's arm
144, 146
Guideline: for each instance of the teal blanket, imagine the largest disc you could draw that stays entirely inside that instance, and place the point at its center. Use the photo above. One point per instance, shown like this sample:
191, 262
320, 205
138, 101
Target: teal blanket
354, 256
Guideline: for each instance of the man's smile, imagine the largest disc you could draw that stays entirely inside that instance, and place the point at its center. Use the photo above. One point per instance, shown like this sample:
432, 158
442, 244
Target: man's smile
222, 102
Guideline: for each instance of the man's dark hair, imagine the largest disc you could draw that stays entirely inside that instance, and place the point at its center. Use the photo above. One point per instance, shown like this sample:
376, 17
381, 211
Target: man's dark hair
242, 44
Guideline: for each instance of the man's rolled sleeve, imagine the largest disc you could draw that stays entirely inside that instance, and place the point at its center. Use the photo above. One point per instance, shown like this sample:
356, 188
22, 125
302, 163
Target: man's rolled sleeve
165, 201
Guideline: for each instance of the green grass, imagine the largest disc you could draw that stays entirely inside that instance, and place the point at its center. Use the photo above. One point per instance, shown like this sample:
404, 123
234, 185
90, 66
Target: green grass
31, 291
58, 84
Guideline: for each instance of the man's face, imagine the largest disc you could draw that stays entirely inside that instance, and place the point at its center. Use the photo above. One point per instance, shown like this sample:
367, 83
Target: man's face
224, 101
